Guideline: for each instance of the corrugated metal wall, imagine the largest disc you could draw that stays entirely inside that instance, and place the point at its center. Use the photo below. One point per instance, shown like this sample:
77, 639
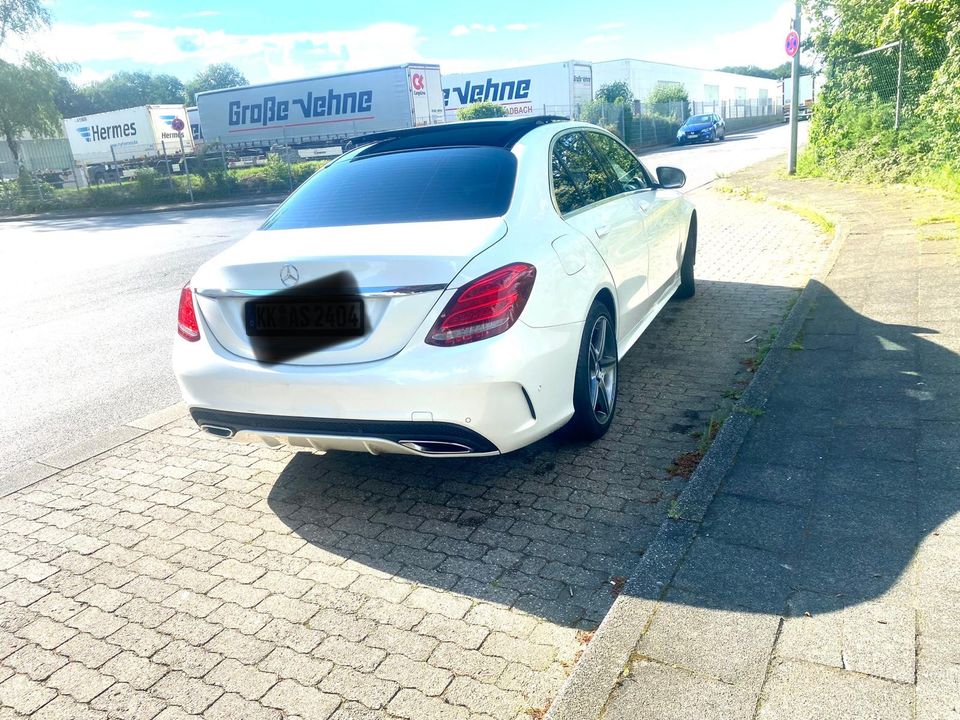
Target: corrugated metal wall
37, 156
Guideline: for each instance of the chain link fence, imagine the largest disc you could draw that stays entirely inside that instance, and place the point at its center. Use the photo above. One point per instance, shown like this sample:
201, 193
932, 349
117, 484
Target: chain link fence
47, 179
213, 172
642, 124
889, 113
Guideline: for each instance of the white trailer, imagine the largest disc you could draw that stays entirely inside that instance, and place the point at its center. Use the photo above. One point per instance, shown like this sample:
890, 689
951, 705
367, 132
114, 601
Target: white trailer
194, 116
552, 89
327, 110
132, 134
808, 94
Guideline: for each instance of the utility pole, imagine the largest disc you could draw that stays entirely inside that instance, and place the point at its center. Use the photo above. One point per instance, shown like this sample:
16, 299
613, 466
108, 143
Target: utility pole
794, 100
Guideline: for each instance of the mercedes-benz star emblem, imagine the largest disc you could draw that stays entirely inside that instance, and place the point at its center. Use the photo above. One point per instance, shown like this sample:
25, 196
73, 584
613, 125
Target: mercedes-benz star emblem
289, 275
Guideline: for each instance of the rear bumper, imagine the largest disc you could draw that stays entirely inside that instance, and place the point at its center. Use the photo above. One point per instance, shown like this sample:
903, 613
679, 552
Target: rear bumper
433, 439
492, 396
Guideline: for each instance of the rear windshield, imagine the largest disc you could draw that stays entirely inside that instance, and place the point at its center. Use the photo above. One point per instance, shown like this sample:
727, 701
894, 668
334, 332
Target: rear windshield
459, 183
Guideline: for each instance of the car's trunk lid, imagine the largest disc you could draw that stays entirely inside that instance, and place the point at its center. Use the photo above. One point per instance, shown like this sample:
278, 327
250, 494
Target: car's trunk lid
400, 271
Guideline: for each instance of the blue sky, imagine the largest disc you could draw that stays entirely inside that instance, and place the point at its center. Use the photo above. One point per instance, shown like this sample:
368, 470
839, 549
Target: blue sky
295, 38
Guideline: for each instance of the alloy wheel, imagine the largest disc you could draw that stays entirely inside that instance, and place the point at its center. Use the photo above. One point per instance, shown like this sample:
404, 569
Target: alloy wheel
602, 369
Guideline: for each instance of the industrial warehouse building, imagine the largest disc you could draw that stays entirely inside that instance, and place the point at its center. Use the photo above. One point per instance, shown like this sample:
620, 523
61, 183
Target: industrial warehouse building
703, 86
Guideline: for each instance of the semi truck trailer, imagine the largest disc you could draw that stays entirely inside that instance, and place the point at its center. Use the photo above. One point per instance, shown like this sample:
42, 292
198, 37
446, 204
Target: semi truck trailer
135, 133
322, 111
553, 89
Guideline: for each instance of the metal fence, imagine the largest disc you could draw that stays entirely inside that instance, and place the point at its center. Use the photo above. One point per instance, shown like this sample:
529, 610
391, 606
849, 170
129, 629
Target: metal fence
214, 172
643, 124
49, 180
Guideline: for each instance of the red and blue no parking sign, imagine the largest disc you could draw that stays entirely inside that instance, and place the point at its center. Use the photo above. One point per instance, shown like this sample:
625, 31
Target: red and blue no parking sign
792, 44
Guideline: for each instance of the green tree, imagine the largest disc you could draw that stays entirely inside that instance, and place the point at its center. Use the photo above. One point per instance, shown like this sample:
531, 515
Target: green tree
213, 77
852, 131
618, 91
481, 111
668, 94
26, 100
22, 17
70, 101
782, 70
131, 89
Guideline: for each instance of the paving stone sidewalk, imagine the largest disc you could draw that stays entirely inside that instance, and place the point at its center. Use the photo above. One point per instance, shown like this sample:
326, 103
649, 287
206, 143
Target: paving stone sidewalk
824, 580
177, 575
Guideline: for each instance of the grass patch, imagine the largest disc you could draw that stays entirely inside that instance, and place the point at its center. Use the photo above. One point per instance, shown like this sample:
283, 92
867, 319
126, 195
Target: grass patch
747, 410
674, 512
827, 226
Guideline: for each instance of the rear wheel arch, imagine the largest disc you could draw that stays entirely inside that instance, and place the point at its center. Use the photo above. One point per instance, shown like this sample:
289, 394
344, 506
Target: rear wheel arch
606, 297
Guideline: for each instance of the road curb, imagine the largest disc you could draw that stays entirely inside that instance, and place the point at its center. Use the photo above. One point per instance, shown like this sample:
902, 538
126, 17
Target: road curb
586, 691
28, 473
138, 210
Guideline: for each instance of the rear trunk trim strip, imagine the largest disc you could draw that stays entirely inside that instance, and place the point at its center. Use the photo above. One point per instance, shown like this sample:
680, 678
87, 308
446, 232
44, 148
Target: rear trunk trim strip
218, 293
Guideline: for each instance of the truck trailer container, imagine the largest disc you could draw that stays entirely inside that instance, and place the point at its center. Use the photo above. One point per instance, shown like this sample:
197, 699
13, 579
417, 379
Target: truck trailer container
553, 89
325, 110
808, 94
132, 134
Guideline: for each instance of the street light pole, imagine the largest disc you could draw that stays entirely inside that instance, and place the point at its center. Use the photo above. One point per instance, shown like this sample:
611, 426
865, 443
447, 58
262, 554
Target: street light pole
794, 100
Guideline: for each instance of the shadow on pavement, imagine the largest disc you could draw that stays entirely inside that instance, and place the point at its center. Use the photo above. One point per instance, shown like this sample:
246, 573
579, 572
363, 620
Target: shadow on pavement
554, 528
847, 487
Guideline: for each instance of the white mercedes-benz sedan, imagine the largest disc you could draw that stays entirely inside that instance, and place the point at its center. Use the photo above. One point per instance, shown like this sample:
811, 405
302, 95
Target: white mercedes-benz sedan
452, 290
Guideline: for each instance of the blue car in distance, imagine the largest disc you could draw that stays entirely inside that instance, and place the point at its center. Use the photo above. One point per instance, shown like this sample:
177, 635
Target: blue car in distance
702, 128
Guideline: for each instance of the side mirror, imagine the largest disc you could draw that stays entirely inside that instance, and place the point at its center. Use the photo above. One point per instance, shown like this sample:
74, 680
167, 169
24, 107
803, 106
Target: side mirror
671, 178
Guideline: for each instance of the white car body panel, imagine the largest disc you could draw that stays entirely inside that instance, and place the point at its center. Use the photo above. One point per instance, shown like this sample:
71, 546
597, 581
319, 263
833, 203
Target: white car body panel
511, 389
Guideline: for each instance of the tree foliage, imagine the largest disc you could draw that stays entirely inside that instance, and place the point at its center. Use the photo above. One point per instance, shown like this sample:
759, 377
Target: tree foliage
22, 17
668, 94
614, 92
481, 111
214, 77
131, 89
783, 70
852, 132
26, 100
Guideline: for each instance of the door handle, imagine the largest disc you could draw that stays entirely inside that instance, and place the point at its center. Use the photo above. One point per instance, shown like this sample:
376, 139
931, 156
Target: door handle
602, 230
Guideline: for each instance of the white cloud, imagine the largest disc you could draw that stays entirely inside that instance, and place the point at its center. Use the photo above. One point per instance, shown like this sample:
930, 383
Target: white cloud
759, 44
141, 14
518, 27
85, 76
270, 56
461, 30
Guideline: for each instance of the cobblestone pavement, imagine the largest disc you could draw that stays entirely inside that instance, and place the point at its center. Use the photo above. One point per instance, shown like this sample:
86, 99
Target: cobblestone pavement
178, 575
823, 580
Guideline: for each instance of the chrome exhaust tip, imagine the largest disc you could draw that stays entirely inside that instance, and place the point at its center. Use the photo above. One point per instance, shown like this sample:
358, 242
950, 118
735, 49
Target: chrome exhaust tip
218, 430
437, 447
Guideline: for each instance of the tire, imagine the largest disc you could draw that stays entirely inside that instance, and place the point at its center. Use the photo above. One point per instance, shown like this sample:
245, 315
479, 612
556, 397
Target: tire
595, 398
688, 284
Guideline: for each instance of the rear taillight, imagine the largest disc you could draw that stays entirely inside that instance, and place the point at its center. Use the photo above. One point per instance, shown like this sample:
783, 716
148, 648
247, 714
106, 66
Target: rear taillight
187, 316
485, 307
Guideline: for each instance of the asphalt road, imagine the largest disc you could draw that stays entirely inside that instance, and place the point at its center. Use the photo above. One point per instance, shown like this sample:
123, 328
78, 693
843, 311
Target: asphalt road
89, 305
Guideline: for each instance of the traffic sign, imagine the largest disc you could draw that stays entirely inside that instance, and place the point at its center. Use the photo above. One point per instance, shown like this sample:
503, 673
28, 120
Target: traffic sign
177, 124
793, 43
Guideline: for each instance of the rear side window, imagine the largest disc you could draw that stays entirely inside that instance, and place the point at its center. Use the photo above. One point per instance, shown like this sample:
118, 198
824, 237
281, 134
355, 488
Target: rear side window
579, 177
462, 183
624, 165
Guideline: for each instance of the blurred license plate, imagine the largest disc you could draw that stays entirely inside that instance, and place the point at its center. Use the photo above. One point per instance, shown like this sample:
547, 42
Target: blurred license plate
691, 134
340, 318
